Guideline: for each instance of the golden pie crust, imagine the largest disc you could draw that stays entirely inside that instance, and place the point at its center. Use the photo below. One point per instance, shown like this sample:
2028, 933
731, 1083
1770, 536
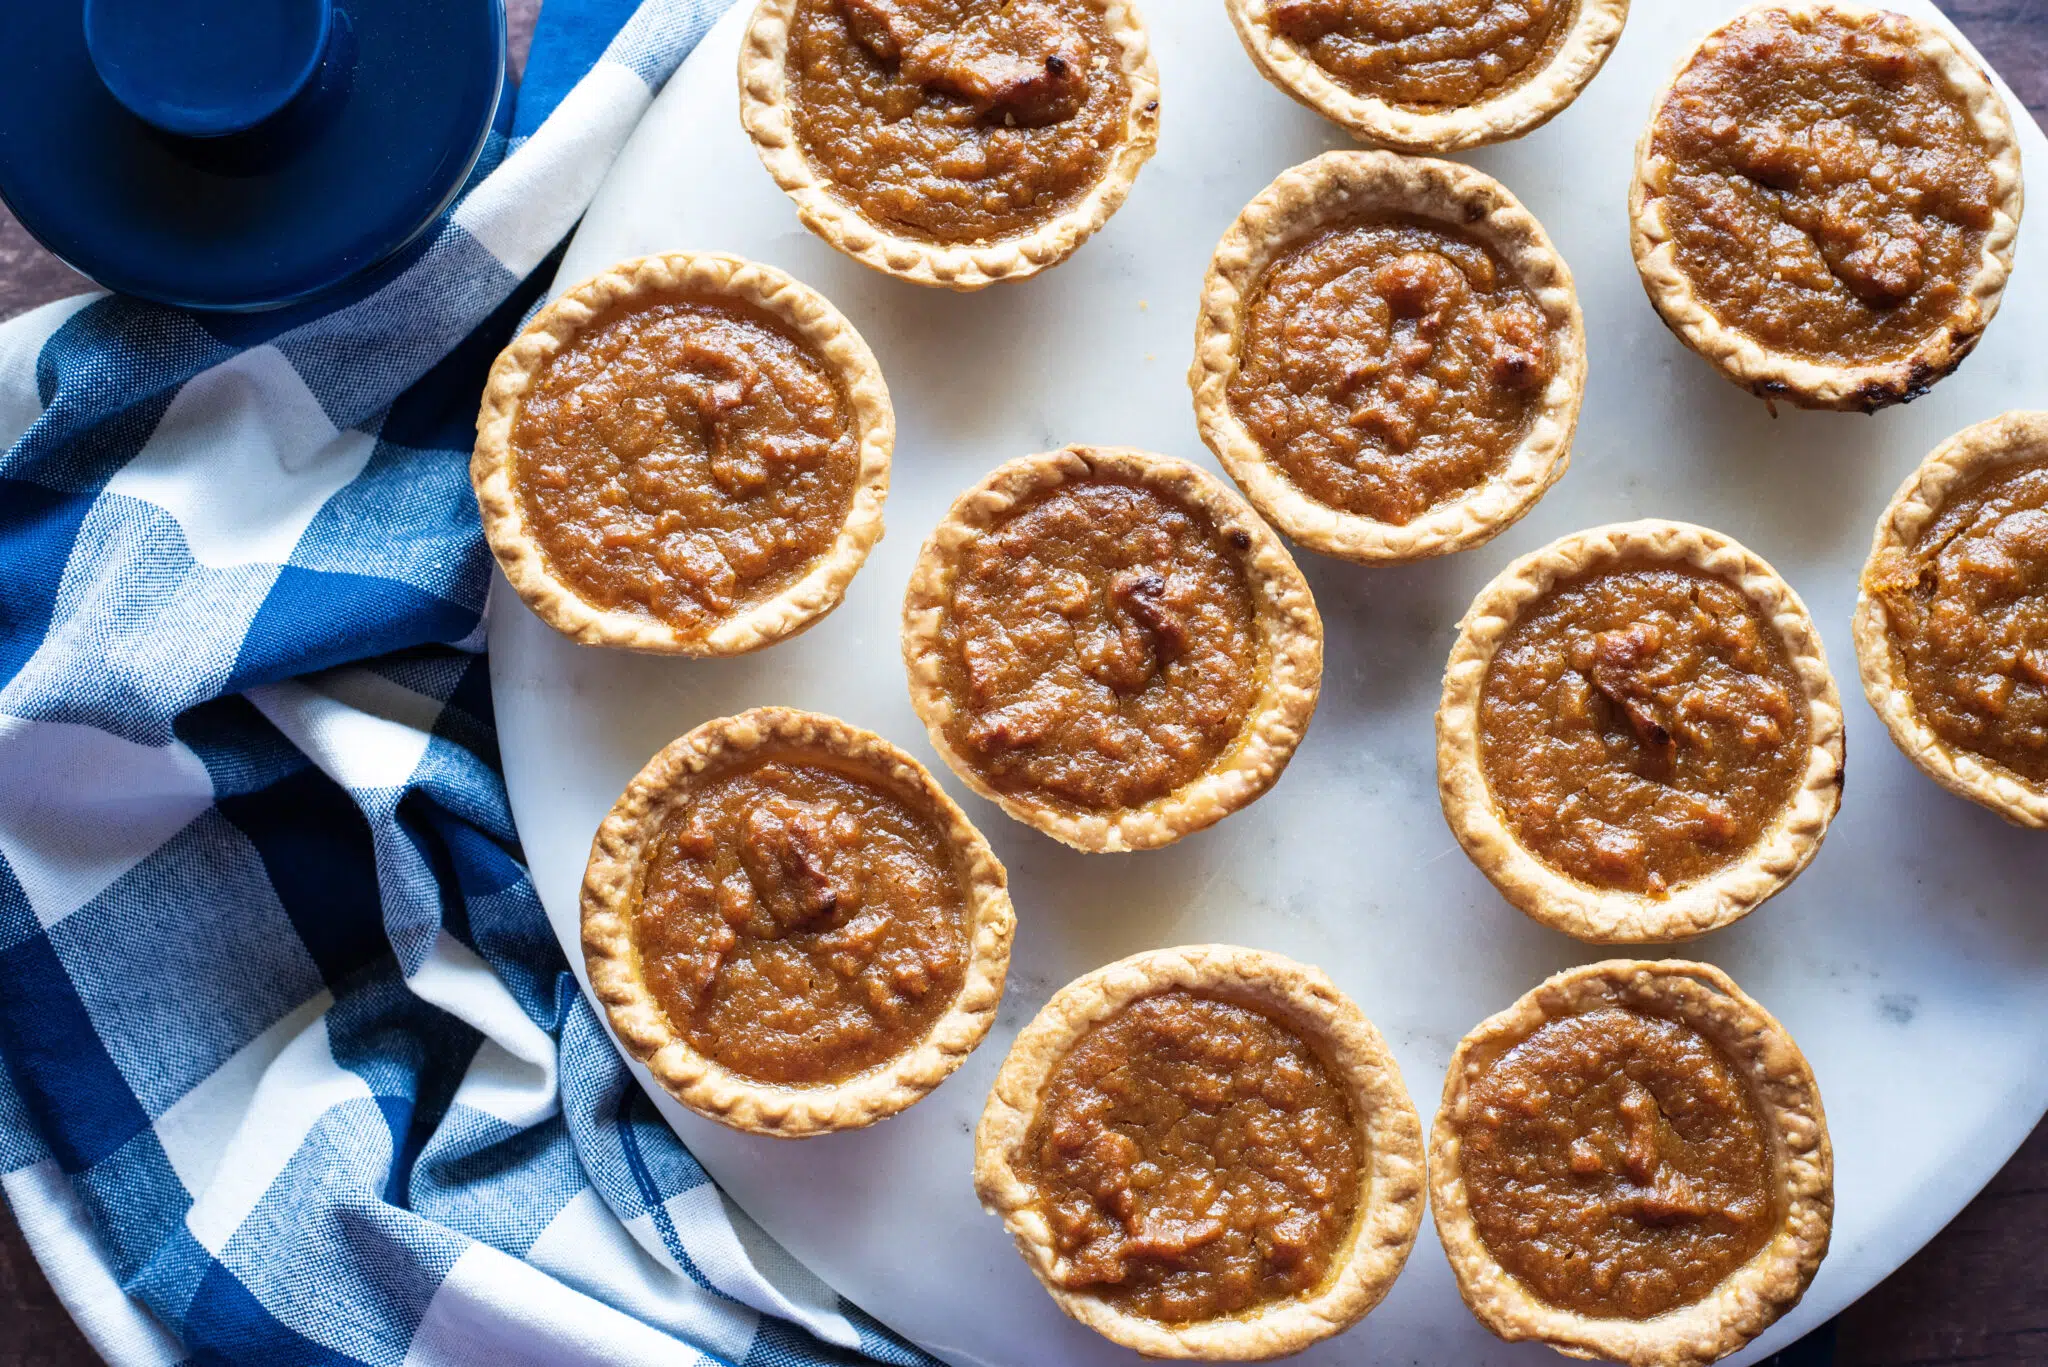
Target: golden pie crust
611, 891
1751, 1298
765, 112
1305, 1000
1521, 108
1290, 632
2013, 438
1610, 916
1773, 375
1346, 185
712, 275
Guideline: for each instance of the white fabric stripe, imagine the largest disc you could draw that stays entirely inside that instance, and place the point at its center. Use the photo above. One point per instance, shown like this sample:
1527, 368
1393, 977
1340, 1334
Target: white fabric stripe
88, 807
196, 1130
21, 345
508, 1088
587, 1248
540, 190
302, 1085
61, 1236
363, 730
456, 980
493, 1309
244, 459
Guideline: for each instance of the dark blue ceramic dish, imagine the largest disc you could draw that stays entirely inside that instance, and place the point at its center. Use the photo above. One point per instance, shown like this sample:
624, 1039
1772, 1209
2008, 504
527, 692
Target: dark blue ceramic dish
240, 154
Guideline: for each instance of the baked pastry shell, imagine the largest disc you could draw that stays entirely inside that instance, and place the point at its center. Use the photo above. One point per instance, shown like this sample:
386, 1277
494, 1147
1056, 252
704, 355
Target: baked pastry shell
1808, 383
1290, 635
1510, 113
1611, 916
1390, 1197
1335, 188
765, 113
611, 894
493, 466
2018, 438
1752, 1297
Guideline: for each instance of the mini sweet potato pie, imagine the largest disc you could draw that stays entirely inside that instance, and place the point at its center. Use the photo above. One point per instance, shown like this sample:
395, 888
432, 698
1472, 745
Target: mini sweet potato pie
1205, 1152
1426, 76
1825, 204
687, 455
1632, 1164
1111, 646
1952, 620
1639, 738
1390, 356
951, 142
792, 925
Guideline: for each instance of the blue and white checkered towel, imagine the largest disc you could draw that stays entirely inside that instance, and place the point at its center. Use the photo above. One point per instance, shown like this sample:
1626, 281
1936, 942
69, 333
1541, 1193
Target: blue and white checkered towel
292, 1070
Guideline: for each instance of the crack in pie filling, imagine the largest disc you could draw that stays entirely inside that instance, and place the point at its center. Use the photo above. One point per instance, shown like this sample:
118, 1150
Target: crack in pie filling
1390, 357
792, 925
1632, 1163
1639, 738
686, 454
1952, 620
1426, 75
952, 142
1826, 202
1205, 1152
1110, 645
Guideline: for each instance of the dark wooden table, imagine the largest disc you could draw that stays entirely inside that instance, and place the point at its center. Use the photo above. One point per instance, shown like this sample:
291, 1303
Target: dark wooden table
1976, 1295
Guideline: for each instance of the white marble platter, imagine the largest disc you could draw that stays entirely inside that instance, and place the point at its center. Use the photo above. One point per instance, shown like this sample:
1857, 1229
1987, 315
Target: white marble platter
1911, 961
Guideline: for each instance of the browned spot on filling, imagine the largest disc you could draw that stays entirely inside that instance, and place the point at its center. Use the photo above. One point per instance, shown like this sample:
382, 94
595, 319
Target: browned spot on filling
1968, 612
1641, 728
800, 923
1195, 1159
1827, 193
1388, 367
957, 121
1617, 1165
685, 459
1427, 52
1101, 647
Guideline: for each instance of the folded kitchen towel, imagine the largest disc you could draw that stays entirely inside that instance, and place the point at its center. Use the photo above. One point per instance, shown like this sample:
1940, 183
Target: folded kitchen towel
292, 1070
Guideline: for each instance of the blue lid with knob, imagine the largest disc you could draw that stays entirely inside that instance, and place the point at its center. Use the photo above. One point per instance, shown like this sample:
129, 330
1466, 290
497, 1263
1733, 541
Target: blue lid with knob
240, 154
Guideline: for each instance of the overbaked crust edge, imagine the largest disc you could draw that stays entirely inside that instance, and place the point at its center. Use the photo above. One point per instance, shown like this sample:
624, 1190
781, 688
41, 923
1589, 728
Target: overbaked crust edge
1773, 375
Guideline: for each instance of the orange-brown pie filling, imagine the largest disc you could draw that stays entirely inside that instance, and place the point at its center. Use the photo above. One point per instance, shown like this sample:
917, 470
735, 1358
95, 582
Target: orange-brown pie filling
1967, 608
1617, 1165
799, 923
1390, 366
1426, 53
1194, 1159
1101, 647
684, 459
957, 121
1641, 727
1827, 192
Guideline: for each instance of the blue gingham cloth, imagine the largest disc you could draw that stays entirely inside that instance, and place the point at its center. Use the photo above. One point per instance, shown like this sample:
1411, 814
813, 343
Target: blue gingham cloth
292, 1070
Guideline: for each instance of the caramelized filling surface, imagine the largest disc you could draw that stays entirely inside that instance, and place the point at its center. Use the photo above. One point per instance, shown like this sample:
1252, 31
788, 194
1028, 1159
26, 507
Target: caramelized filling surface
1195, 1159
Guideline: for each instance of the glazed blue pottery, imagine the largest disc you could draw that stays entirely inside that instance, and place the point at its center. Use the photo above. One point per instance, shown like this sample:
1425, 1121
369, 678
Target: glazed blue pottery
240, 154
